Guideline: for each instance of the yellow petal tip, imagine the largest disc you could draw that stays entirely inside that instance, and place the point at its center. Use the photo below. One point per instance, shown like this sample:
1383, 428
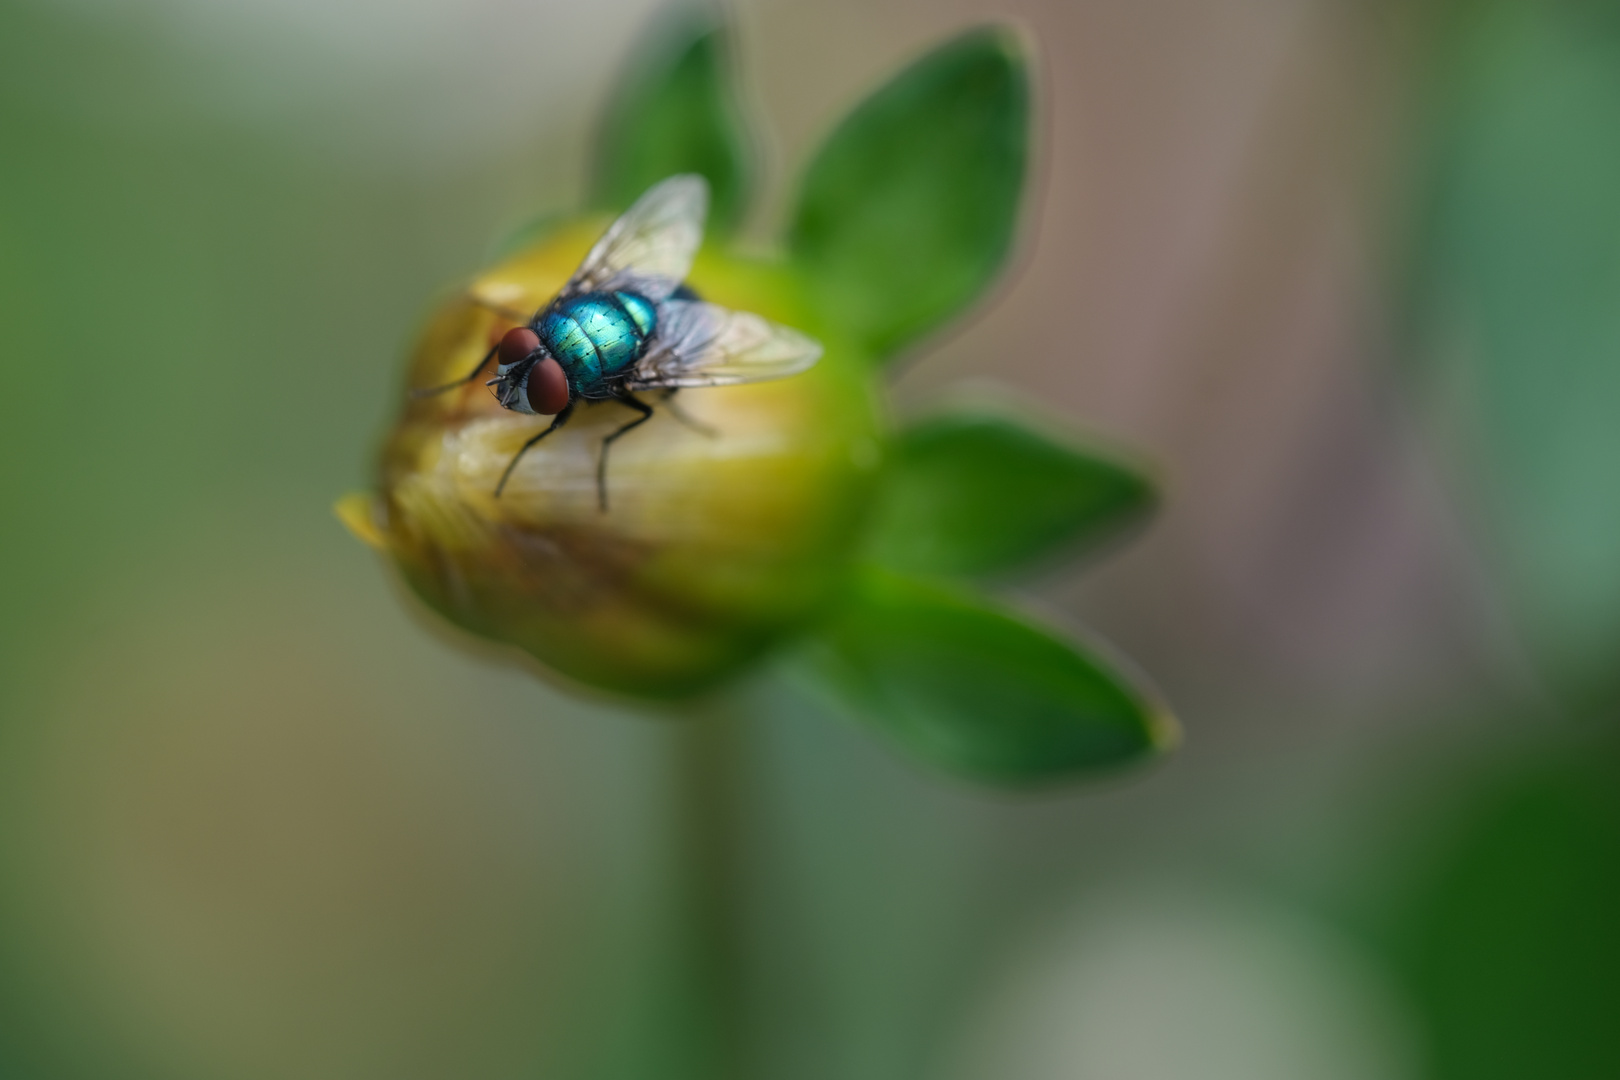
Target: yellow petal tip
1165, 731
356, 511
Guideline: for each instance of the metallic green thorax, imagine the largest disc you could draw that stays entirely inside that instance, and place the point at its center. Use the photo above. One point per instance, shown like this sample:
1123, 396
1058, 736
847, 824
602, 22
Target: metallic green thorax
595, 336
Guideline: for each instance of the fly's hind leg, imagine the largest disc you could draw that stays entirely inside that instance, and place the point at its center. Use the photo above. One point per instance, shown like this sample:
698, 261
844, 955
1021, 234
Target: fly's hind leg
683, 416
646, 412
556, 422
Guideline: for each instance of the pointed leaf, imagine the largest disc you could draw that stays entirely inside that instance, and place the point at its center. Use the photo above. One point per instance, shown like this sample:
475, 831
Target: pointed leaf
909, 209
677, 112
980, 691
527, 235
974, 492
1521, 313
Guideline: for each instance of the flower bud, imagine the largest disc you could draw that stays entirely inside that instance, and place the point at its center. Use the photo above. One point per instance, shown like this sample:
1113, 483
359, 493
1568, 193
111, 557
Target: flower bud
723, 533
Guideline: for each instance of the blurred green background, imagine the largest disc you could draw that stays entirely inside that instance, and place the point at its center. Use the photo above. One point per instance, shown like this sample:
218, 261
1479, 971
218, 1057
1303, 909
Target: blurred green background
1349, 271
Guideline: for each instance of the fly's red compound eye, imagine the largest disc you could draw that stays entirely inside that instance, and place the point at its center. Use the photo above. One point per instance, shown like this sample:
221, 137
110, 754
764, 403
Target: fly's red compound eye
548, 388
516, 344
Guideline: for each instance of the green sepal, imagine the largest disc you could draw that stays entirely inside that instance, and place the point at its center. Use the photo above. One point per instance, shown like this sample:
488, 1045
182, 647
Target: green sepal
975, 492
677, 111
531, 232
980, 691
909, 209
1516, 307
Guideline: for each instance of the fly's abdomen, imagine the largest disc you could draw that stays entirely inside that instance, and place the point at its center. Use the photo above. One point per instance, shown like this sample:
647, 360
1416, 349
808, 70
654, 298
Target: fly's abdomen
640, 310
596, 335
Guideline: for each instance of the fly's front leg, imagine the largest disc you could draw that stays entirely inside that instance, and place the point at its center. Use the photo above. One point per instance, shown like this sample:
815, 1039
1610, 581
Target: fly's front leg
504, 312
429, 391
601, 463
556, 422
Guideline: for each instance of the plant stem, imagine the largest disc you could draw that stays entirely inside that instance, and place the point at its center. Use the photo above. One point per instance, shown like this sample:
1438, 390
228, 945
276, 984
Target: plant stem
702, 1006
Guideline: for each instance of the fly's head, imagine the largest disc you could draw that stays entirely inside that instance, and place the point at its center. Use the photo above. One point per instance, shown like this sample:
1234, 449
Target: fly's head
528, 379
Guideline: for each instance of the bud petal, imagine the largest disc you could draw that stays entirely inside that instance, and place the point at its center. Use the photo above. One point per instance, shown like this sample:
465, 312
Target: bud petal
722, 536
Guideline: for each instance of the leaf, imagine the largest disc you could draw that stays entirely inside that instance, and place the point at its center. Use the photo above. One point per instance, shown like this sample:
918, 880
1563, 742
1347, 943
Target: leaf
676, 112
979, 691
527, 235
909, 209
972, 492
1506, 941
1522, 291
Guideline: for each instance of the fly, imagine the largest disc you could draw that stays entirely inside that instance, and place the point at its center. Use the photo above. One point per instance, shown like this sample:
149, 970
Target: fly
625, 322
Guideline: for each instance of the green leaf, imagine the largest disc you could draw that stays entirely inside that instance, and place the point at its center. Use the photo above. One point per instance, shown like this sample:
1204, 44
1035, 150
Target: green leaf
1521, 306
973, 492
677, 112
909, 209
528, 234
1505, 942
979, 691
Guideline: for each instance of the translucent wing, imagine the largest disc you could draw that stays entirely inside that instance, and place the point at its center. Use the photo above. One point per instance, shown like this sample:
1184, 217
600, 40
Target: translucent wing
701, 344
650, 248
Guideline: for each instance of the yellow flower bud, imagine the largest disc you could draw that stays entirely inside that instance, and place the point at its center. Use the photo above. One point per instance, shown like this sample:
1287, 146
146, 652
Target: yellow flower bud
722, 536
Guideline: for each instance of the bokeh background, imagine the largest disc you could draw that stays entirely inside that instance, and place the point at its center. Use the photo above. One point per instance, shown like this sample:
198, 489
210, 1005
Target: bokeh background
1348, 270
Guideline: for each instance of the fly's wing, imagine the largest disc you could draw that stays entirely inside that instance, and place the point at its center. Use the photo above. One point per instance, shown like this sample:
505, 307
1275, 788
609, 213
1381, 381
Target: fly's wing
701, 344
650, 248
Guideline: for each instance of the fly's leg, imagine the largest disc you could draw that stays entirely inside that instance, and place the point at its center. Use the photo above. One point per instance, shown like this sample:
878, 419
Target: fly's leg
556, 422
429, 391
601, 463
683, 416
504, 312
